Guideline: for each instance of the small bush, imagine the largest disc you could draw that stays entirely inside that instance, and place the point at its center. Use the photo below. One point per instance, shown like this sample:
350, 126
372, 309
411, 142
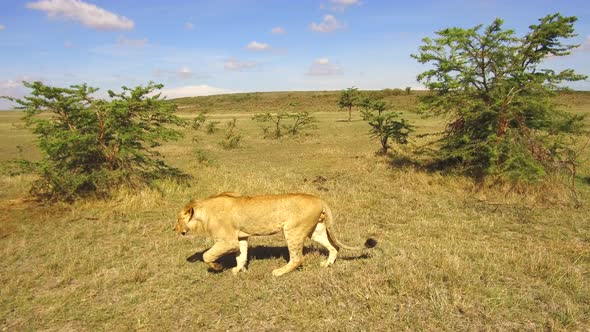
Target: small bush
348, 99
199, 120
211, 127
231, 139
302, 121
385, 125
271, 123
392, 92
274, 126
203, 157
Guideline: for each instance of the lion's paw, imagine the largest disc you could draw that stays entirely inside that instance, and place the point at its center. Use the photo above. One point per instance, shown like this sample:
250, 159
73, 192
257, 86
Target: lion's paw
215, 266
277, 272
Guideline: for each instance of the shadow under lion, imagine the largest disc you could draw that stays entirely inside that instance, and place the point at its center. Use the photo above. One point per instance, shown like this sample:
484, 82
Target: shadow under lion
264, 252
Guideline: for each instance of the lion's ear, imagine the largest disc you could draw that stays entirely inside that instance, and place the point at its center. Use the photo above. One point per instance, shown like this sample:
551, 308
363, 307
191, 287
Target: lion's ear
190, 211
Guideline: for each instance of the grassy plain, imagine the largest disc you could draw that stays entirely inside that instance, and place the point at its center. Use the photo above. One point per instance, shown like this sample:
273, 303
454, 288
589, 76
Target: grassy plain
451, 255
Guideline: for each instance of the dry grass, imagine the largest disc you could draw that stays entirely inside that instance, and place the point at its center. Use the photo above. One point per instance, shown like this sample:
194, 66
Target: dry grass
451, 256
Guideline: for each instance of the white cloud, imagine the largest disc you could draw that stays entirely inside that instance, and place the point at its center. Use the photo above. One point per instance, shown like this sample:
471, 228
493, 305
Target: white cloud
341, 5
278, 31
323, 61
237, 65
2, 27
328, 24
124, 41
345, 2
259, 47
182, 73
14, 88
88, 14
10, 84
193, 91
185, 73
323, 67
189, 26
585, 46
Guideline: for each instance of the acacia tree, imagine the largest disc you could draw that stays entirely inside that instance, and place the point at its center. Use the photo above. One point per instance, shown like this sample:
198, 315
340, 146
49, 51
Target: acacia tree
293, 123
348, 99
302, 121
275, 119
385, 125
490, 85
89, 145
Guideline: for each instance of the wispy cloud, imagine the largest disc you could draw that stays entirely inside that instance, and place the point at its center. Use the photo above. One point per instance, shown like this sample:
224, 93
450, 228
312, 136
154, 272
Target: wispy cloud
328, 24
189, 26
88, 14
323, 67
258, 47
184, 73
127, 42
585, 46
343, 4
233, 64
194, 90
68, 44
14, 88
2, 27
278, 31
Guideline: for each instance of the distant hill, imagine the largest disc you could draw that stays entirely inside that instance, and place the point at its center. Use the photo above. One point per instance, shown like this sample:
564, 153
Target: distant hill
288, 101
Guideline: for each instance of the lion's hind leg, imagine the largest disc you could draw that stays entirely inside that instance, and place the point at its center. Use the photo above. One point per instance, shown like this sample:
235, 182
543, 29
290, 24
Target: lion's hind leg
320, 235
295, 242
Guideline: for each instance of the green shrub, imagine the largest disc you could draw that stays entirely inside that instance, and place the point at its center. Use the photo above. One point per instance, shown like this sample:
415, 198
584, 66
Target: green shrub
392, 92
384, 125
271, 123
231, 138
90, 146
301, 122
211, 127
199, 120
274, 125
203, 157
348, 99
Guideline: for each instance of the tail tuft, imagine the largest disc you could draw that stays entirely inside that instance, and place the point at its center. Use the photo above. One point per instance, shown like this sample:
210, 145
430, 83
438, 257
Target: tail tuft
370, 243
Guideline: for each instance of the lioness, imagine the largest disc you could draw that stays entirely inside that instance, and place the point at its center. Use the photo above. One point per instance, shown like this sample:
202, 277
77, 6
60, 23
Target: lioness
230, 219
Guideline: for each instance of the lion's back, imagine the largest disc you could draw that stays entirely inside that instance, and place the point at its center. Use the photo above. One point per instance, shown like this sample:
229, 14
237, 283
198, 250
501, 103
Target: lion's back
266, 214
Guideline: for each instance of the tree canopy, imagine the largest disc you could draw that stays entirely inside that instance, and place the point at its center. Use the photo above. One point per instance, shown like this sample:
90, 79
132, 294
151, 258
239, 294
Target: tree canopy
90, 146
492, 88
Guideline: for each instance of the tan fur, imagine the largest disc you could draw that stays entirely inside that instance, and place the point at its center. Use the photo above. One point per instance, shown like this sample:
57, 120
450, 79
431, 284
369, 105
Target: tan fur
230, 218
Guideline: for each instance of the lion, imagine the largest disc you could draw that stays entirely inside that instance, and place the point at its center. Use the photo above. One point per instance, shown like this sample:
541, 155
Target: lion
230, 219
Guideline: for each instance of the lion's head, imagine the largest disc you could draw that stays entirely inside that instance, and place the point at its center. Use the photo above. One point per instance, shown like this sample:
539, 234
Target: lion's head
183, 220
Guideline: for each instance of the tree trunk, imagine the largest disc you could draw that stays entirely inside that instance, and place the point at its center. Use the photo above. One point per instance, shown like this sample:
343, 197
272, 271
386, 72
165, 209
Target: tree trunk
384, 145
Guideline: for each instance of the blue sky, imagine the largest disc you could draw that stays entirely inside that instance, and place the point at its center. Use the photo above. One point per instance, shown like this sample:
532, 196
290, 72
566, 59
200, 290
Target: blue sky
205, 47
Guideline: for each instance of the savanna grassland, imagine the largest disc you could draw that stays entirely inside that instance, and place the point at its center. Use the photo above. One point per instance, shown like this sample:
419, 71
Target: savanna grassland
452, 254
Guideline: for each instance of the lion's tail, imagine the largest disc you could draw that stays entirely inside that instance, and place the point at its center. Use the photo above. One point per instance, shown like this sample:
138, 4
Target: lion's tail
326, 217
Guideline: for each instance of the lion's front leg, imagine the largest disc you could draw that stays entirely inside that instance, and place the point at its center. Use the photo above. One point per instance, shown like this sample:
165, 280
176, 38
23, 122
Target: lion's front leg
241, 257
219, 249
